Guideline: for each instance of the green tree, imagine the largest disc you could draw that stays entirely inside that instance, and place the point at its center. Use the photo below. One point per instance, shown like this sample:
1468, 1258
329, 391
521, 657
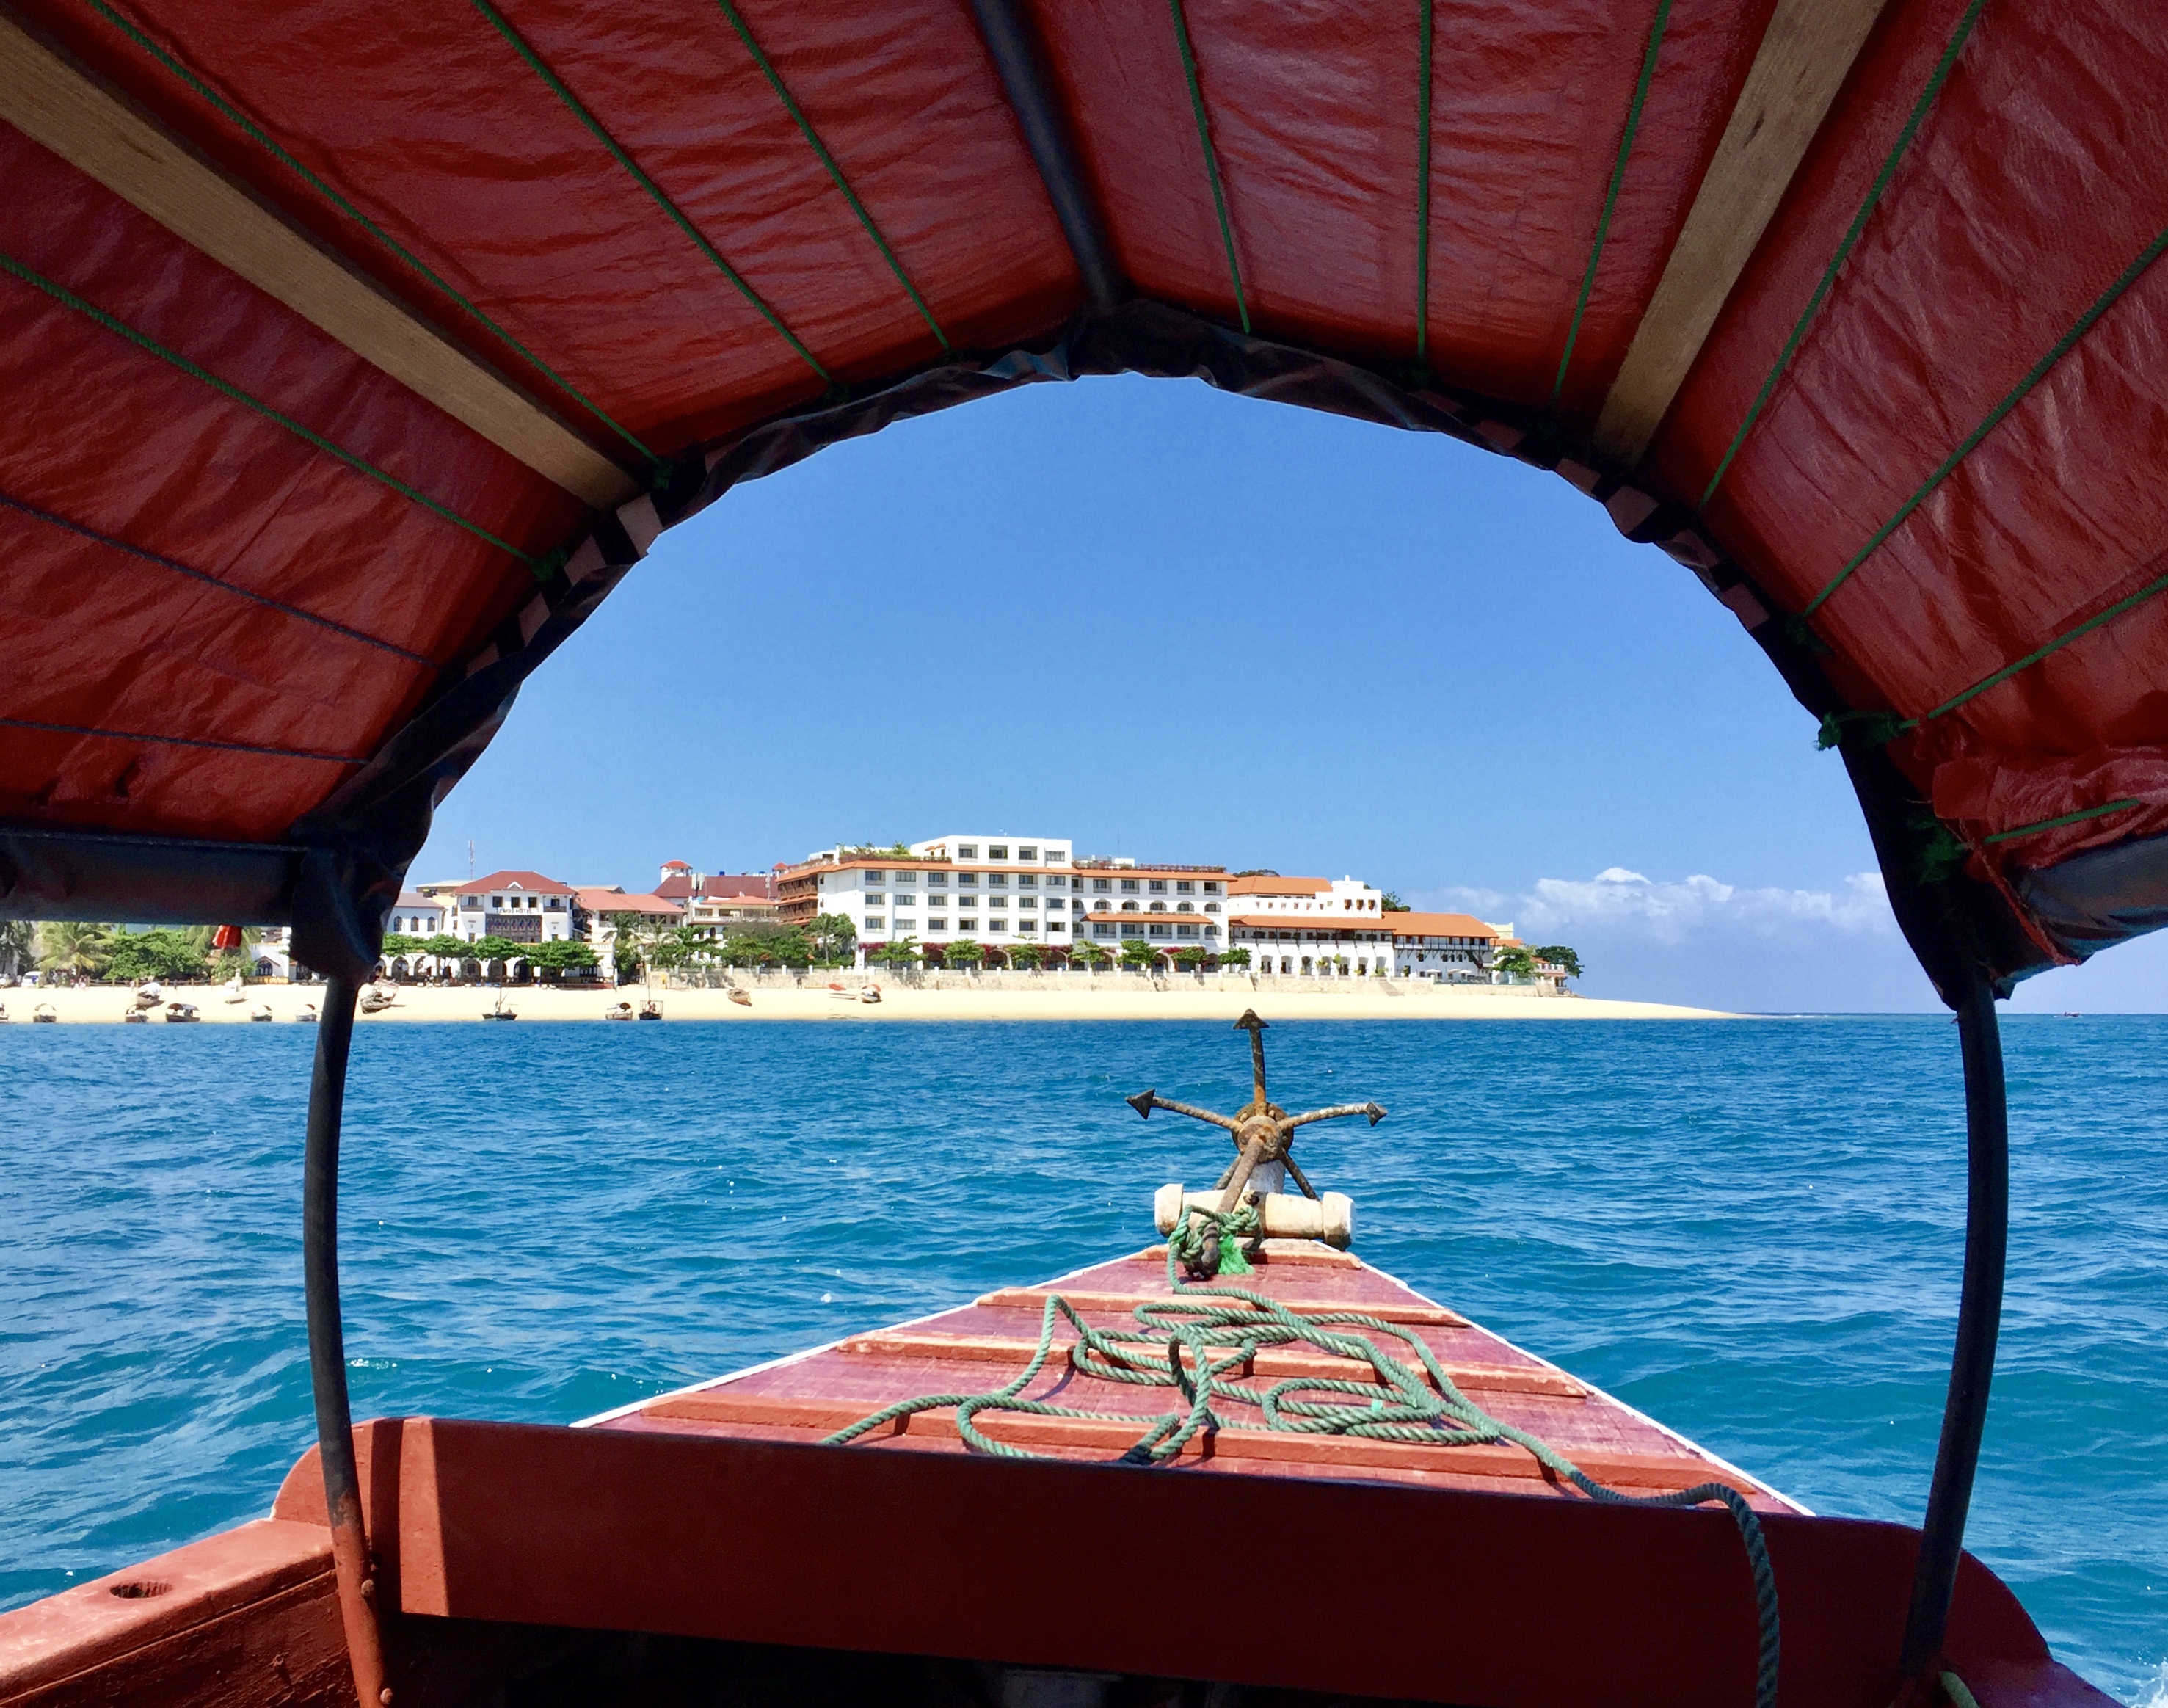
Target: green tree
963, 952
494, 948
1089, 953
443, 946
1394, 904
833, 940
1027, 957
396, 945
161, 953
74, 947
563, 955
1190, 958
1518, 963
1561, 957
19, 946
898, 952
1137, 951
1235, 957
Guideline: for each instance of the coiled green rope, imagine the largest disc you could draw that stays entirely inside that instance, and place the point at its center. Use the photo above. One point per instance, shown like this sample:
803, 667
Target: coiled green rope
1196, 1340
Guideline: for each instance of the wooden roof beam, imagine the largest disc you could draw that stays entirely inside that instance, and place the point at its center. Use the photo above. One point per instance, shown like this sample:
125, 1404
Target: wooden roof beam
1805, 54
54, 102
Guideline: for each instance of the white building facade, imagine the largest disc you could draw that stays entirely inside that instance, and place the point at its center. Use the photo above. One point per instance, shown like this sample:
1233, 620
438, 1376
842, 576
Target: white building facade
1005, 892
1447, 948
519, 906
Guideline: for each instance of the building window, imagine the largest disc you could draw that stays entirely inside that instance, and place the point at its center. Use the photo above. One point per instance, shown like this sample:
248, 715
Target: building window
1025, 880
1182, 887
998, 901
875, 923
1027, 901
876, 901
1185, 931
967, 925
967, 850
997, 880
997, 850
967, 880
1212, 906
1129, 886
1129, 930
1159, 907
1103, 885
937, 881
1160, 931
1053, 925
996, 925
1158, 886
1057, 856
906, 901
1129, 907
1210, 888
1185, 906
937, 924
1102, 931
903, 923
1027, 853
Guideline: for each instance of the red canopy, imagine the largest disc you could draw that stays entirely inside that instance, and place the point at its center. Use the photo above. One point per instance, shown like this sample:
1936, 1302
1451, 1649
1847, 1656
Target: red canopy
352, 354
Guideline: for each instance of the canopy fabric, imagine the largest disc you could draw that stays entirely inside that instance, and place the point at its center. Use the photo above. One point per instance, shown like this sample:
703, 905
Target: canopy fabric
275, 553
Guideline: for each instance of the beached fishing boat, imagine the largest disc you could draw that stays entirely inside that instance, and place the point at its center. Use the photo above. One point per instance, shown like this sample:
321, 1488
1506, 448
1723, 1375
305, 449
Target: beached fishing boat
349, 371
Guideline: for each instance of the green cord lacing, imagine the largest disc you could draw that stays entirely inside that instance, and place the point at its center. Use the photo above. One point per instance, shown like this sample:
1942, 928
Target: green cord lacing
834, 172
2148, 591
1611, 195
1957, 38
2040, 369
1212, 156
1220, 1329
557, 86
2067, 818
61, 294
255, 132
1423, 190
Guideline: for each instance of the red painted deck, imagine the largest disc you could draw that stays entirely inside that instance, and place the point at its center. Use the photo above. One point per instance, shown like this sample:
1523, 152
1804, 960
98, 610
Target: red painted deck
985, 1344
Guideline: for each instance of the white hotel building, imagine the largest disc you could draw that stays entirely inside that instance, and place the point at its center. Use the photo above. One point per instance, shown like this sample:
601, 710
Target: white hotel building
1003, 892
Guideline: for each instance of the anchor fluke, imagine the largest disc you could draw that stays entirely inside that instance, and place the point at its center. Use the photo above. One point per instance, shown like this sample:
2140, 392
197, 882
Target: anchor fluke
1142, 1102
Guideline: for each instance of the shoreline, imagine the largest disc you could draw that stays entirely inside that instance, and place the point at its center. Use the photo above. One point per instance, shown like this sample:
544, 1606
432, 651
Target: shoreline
1180, 1000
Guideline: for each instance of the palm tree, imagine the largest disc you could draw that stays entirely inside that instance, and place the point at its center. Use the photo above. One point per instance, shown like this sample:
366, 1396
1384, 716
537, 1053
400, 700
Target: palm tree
899, 952
1089, 953
963, 952
75, 947
17, 945
1027, 957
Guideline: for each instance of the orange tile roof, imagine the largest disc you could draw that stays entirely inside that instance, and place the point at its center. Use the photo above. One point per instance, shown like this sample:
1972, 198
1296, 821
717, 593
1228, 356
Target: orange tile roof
532, 882
1313, 922
1439, 925
601, 899
1278, 886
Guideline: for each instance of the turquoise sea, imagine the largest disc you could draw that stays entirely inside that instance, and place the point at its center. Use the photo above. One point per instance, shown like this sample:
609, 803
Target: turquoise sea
1750, 1230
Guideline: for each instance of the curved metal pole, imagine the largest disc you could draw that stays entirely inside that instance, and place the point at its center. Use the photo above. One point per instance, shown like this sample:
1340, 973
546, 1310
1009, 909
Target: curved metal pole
1980, 1317
356, 1588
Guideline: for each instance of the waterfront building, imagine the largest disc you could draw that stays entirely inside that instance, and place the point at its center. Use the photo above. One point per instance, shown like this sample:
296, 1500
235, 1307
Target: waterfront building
1003, 892
1454, 947
1310, 926
519, 906
596, 909
415, 915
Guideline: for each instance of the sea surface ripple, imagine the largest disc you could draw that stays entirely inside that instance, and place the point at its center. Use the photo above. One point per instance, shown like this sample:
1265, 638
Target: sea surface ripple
1752, 1231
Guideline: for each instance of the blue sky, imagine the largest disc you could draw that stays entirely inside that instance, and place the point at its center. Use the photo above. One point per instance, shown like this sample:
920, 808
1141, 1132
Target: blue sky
1176, 625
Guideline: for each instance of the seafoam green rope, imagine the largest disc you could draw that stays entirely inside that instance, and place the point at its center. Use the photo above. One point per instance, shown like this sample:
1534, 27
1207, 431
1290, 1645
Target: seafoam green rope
2017, 394
256, 133
1920, 107
2067, 818
61, 294
1422, 187
834, 172
1196, 1340
1212, 155
1611, 195
556, 84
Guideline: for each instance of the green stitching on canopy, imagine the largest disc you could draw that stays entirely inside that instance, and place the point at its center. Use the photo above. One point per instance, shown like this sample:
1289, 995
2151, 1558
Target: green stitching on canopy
557, 86
834, 172
1611, 195
61, 294
1422, 192
2148, 591
2063, 347
1851, 237
2067, 818
249, 128
1212, 158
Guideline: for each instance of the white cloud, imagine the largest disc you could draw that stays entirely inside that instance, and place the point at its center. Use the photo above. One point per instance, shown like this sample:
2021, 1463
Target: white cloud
1699, 940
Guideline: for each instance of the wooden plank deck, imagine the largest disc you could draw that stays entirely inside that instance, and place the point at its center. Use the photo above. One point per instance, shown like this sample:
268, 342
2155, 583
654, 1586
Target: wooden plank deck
985, 1344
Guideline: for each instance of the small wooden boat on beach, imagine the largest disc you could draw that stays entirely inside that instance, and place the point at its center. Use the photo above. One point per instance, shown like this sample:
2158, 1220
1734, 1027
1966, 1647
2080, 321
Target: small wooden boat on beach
618, 1011
136, 1017
375, 998
180, 1014
44, 1015
261, 1011
651, 1010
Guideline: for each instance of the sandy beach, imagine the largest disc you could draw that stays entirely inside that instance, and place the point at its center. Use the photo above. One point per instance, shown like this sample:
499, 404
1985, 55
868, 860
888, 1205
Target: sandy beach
1104, 998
